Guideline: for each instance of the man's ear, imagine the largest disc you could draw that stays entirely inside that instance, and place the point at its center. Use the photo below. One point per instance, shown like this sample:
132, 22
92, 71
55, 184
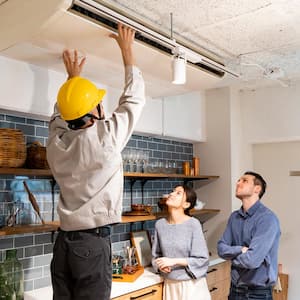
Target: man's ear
257, 189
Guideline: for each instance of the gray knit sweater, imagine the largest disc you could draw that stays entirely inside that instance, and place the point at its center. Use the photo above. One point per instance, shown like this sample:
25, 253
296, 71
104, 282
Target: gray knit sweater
183, 240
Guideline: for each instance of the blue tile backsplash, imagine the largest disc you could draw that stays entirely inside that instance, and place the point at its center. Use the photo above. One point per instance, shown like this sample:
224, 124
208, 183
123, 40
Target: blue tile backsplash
35, 250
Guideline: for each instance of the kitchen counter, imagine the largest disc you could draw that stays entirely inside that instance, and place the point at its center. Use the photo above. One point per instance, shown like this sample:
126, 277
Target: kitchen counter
148, 278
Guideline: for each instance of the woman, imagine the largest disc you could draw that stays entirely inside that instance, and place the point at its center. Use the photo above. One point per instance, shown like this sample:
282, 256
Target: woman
179, 249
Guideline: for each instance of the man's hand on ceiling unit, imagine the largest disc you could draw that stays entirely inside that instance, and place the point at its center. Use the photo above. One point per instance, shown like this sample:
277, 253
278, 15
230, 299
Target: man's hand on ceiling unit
125, 38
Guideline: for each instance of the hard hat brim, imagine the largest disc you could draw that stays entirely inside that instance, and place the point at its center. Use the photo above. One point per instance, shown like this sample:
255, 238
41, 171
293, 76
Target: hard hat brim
101, 95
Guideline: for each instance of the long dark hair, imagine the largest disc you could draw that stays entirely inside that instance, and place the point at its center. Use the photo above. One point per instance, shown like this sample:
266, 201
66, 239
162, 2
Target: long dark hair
191, 197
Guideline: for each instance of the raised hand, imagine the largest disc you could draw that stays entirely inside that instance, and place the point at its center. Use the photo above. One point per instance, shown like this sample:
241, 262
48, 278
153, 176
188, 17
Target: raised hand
125, 38
72, 64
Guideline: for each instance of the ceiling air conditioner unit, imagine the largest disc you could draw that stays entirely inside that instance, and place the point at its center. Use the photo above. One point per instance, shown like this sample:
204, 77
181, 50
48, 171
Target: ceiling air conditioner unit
37, 31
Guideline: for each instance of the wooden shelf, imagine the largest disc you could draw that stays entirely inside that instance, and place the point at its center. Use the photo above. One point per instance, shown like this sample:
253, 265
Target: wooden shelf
202, 214
132, 219
149, 176
32, 228
294, 173
26, 172
136, 176
202, 179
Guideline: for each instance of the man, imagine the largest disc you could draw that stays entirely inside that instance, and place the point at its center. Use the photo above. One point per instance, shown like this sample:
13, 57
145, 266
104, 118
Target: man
84, 154
251, 241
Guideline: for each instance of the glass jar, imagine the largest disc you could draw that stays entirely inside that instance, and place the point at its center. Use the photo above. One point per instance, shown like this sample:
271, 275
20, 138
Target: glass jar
11, 277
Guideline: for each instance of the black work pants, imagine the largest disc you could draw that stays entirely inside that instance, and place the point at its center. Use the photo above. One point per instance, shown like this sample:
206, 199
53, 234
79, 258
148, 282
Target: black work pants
81, 266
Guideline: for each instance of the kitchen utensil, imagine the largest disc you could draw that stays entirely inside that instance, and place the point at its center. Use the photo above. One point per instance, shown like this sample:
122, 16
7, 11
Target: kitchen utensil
11, 220
33, 202
141, 208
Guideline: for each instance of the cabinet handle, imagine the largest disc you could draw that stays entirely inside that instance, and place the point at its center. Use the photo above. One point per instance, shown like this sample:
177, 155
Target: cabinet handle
213, 289
212, 270
143, 295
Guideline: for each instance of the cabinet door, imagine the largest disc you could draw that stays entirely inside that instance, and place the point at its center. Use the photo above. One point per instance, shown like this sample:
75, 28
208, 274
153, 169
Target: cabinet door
218, 280
153, 292
183, 117
27, 88
150, 121
220, 290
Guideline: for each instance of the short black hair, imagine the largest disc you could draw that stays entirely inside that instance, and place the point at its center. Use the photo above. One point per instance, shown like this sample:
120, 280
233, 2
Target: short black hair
258, 180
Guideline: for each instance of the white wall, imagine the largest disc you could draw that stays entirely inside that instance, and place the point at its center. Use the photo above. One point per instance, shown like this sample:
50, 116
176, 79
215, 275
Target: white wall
215, 160
274, 161
241, 153
273, 115
240, 129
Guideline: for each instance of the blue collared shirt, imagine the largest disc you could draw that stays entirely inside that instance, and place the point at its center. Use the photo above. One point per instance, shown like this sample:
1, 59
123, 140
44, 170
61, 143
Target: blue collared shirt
259, 230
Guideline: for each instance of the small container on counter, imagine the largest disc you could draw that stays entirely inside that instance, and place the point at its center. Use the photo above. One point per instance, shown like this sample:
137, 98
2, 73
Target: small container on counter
186, 168
196, 166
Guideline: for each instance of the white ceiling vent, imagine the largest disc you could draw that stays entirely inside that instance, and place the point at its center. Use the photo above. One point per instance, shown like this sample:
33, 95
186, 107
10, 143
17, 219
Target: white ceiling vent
109, 18
37, 32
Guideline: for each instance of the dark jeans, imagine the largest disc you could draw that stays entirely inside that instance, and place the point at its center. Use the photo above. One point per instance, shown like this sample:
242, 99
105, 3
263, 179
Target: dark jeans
250, 293
81, 266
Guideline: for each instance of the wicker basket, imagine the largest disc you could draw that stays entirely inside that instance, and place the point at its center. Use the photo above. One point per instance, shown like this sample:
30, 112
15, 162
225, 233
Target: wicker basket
12, 148
36, 156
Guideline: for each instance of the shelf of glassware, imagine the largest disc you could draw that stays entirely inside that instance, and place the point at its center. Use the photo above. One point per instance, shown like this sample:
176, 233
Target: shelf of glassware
148, 176
203, 214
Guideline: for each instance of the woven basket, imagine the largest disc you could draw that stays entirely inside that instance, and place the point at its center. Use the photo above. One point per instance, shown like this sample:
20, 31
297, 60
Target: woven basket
36, 156
12, 148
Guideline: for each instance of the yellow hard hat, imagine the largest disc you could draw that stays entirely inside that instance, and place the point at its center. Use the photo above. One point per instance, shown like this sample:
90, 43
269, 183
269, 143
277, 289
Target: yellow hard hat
77, 97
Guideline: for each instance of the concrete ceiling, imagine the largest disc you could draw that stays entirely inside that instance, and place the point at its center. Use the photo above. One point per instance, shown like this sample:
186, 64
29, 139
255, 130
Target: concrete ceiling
259, 39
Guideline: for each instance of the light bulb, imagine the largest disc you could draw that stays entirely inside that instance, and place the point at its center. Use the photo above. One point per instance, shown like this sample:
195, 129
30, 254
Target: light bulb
179, 70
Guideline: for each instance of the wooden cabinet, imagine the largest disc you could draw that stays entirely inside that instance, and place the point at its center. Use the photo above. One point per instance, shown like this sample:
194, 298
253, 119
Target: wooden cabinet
284, 283
153, 292
218, 280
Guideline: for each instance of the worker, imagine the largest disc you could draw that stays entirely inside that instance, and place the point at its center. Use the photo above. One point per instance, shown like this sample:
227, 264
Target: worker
84, 155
